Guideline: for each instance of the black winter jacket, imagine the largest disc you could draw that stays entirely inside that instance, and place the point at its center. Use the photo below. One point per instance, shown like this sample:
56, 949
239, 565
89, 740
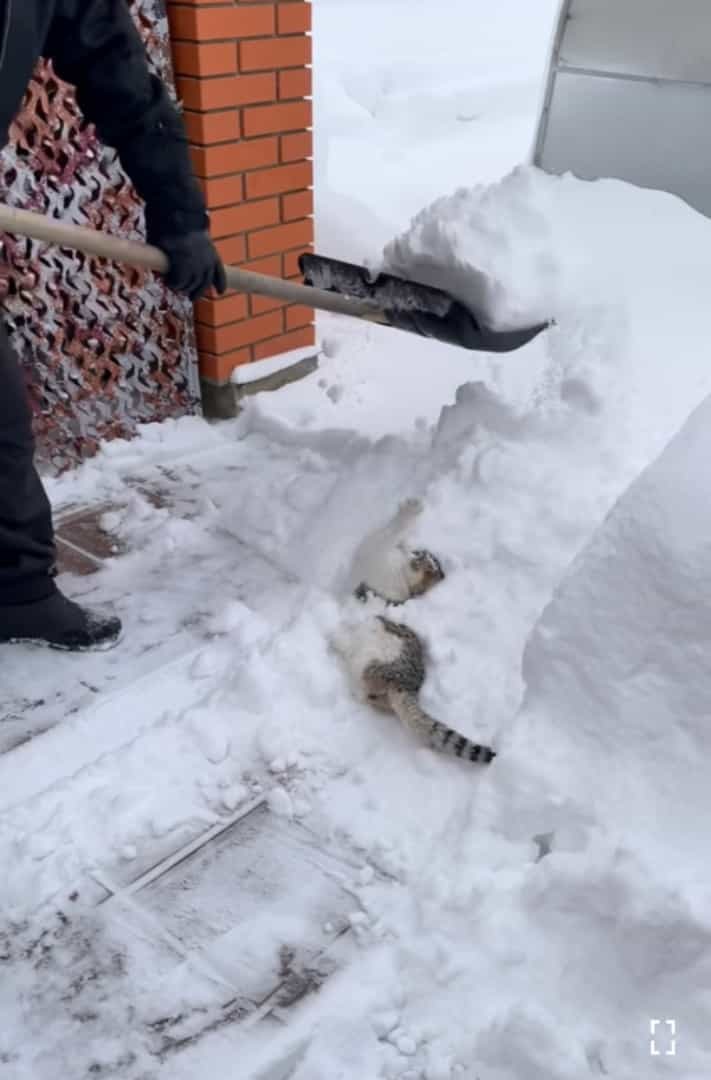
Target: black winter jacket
94, 45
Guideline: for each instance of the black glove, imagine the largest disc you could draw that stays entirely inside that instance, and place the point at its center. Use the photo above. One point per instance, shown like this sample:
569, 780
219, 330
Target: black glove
195, 265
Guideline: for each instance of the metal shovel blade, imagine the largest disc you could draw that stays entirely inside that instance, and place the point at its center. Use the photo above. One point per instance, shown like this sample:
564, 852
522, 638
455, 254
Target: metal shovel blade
412, 306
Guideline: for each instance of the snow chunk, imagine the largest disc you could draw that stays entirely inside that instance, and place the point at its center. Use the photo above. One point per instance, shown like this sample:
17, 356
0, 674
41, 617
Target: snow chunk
406, 1045
489, 246
279, 802
385, 1023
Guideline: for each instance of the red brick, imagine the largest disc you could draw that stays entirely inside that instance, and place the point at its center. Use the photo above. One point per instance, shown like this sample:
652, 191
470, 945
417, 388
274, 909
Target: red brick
219, 58
281, 238
206, 129
256, 88
238, 157
299, 204
268, 119
225, 91
297, 339
223, 339
259, 304
219, 312
270, 266
294, 18
237, 219
253, 20
219, 368
276, 181
212, 23
272, 53
297, 146
233, 250
223, 191
297, 316
295, 83
291, 258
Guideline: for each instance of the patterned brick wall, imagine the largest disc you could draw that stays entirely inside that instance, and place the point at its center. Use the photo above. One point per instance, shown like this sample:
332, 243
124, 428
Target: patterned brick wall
103, 347
243, 75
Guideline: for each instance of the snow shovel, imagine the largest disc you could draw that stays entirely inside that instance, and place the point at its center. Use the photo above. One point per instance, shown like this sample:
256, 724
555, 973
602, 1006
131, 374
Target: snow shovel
330, 285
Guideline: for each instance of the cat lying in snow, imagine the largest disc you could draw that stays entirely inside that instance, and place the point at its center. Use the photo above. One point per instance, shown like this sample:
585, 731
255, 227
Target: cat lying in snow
386, 660
385, 566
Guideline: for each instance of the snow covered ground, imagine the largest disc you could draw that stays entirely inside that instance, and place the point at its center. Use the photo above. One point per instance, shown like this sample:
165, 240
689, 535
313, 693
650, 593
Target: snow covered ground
526, 921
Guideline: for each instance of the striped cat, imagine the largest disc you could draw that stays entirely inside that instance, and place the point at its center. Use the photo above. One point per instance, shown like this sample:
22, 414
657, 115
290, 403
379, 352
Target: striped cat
386, 661
384, 565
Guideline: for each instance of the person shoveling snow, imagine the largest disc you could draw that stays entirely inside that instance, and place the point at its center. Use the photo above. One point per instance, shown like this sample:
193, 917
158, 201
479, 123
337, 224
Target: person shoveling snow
104, 58
96, 47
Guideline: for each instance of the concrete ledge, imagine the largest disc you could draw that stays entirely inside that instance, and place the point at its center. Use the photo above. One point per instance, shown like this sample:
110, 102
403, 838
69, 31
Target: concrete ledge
276, 379
220, 401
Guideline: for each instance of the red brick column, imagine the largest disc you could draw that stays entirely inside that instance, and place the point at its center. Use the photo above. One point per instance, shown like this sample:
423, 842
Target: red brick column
243, 75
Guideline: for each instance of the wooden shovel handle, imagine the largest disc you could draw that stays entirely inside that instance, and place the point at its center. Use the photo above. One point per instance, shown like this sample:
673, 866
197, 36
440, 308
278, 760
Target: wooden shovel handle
92, 242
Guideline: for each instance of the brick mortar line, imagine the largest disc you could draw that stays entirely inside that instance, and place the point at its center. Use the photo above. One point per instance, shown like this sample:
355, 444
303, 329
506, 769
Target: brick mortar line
260, 229
281, 305
222, 176
238, 74
199, 42
277, 102
275, 165
281, 34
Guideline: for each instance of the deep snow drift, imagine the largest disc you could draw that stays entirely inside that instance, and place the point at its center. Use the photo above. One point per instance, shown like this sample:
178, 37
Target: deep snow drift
525, 921
412, 101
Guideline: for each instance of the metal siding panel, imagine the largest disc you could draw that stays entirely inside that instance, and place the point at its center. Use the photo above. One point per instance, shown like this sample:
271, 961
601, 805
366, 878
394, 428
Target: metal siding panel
665, 39
652, 135
548, 86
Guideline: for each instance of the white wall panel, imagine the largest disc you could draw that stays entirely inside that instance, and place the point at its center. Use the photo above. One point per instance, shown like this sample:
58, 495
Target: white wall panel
629, 95
666, 39
656, 136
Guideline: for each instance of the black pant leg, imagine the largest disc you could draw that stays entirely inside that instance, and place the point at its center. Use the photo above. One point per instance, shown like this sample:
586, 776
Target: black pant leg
27, 551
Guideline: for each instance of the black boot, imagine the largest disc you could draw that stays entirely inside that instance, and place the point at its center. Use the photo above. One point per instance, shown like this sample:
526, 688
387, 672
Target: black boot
31, 608
59, 623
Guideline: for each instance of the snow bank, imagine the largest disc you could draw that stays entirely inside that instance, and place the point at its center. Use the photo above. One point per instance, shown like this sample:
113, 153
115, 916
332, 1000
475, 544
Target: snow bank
560, 906
617, 671
622, 271
410, 103
609, 758
527, 248
523, 923
555, 907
